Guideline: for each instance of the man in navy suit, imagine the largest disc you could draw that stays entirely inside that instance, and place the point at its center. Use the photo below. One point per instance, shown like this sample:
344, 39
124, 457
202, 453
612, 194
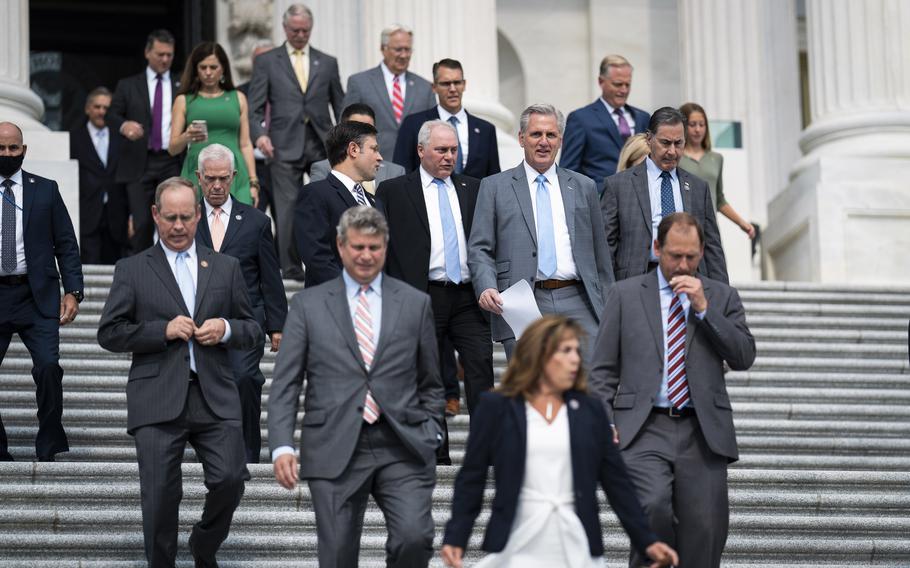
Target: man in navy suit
241, 231
103, 208
478, 153
595, 134
353, 152
36, 235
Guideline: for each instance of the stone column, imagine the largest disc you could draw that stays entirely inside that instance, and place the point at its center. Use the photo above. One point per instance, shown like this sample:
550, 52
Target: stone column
845, 216
739, 60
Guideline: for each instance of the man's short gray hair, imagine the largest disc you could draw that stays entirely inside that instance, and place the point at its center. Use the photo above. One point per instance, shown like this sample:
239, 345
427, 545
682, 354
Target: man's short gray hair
423, 136
390, 31
214, 152
296, 10
613, 61
363, 219
544, 109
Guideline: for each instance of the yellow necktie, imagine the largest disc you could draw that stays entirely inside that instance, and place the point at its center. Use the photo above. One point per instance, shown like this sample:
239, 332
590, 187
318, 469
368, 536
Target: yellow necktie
299, 69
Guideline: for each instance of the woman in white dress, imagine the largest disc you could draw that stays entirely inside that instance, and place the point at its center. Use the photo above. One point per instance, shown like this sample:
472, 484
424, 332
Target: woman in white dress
549, 444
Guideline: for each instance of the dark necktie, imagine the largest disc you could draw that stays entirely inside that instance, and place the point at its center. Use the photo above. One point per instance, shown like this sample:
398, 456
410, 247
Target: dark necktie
666, 195
624, 130
459, 160
155, 143
359, 194
8, 259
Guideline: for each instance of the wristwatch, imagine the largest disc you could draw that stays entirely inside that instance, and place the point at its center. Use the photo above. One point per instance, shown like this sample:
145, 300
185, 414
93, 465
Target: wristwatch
78, 295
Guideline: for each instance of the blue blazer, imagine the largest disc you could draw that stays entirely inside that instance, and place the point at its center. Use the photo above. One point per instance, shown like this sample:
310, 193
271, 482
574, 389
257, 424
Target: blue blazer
49, 239
592, 143
483, 150
498, 437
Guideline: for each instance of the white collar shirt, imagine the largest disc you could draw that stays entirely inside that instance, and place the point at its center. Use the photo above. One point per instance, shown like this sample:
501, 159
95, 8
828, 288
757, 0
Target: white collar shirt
166, 101
437, 268
225, 212
654, 182
101, 140
565, 260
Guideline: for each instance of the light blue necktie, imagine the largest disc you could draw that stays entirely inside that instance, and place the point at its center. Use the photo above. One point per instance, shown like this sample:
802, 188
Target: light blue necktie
459, 160
546, 238
666, 195
449, 233
188, 291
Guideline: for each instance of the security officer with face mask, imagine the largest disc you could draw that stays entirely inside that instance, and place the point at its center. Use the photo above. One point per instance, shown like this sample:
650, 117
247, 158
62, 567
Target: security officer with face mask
36, 235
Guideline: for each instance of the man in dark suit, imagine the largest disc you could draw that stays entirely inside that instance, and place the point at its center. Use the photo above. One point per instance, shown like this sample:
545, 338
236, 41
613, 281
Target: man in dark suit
667, 398
478, 153
635, 200
298, 83
103, 207
373, 402
595, 133
141, 112
241, 231
389, 88
354, 155
36, 236
430, 212
178, 308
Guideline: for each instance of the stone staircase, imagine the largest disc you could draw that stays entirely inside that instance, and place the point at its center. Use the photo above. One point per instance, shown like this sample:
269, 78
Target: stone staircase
823, 421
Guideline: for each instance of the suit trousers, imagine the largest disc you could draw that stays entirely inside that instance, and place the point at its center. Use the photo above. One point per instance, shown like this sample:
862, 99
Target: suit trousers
141, 195
41, 337
682, 486
572, 302
402, 488
159, 447
249, 379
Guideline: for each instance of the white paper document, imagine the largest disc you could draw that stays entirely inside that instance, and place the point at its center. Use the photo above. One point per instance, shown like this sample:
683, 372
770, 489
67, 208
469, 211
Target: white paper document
519, 308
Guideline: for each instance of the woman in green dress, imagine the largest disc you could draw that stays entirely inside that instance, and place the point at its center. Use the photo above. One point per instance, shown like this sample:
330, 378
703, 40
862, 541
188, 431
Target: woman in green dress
699, 160
208, 109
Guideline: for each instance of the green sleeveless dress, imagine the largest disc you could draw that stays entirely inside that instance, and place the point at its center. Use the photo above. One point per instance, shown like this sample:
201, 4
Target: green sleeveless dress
222, 116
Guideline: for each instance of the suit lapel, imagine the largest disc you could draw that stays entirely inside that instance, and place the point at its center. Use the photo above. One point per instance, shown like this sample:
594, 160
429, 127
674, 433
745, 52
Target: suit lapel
378, 80
517, 405
650, 300
28, 198
461, 189
235, 223
285, 61
159, 265
473, 141
640, 185
341, 312
391, 310
567, 187
604, 115
408, 94
203, 233
315, 66
342, 192
691, 321
523, 196
684, 190
145, 98
203, 274
414, 190
113, 145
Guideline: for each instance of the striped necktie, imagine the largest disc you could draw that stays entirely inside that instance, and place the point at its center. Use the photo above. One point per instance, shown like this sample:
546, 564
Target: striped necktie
363, 329
677, 385
397, 99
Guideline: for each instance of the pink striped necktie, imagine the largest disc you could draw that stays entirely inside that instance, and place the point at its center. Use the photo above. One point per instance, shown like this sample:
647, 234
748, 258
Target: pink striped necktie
363, 329
397, 99
677, 385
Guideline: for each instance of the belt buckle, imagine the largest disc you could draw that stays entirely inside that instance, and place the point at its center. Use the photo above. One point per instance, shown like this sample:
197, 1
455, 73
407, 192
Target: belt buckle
674, 412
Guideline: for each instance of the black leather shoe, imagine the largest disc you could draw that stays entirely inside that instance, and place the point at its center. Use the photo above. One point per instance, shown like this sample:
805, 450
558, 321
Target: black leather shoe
47, 459
199, 562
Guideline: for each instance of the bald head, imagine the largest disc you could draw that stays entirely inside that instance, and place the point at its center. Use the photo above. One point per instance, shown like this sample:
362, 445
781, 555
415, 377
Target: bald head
10, 129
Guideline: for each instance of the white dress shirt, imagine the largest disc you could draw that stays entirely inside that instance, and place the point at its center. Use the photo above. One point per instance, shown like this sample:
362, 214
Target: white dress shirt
101, 140
625, 112
349, 184
666, 296
437, 240
389, 77
654, 182
166, 102
462, 129
565, 261
21, 267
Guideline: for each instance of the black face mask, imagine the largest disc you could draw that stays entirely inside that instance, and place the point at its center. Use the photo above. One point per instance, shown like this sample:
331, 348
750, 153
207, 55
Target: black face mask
10, 164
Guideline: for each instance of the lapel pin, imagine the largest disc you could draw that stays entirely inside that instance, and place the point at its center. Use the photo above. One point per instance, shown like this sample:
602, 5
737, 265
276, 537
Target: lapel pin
410, 83
238, 217
463, 184
204, 264
316, 62
476, 130
687, 186
31, 180
573, 404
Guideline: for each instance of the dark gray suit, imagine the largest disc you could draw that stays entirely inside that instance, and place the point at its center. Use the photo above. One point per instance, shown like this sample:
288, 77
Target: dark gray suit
626, 205
503, 245
165, 408
627, 375
387, 170
343, 458
369, 87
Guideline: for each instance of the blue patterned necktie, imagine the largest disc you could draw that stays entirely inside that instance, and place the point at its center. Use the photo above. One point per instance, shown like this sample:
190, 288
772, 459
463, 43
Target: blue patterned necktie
546, 237
449, 233
459, 160
188, 291
666, 195
8, 260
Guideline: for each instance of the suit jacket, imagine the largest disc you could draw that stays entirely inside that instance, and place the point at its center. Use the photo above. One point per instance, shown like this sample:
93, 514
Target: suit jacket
483, 151
50, 240
502, 248
96, 180
402, 202
144, 298
369, 87
131, 102
275, 82
498, 437
387, 170
316, 215
592, 142
248, 238
319, 343
626, 205
629, 358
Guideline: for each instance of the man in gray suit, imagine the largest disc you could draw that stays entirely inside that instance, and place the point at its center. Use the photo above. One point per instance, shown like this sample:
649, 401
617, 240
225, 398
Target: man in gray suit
298, 83
373, 405
540, 223
359, 112
390, 89
635, 200
178, 307
664, 337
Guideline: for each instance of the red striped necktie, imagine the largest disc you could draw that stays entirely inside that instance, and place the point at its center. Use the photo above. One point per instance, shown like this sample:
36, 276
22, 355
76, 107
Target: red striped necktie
363, 329
397, 99
677, 385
